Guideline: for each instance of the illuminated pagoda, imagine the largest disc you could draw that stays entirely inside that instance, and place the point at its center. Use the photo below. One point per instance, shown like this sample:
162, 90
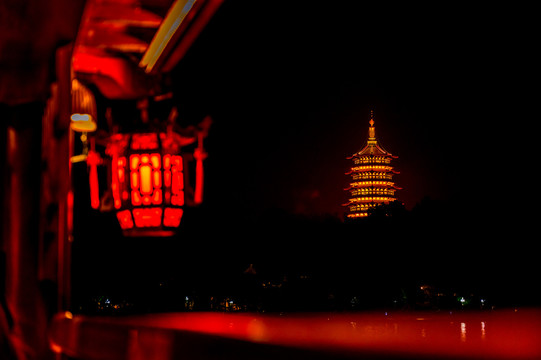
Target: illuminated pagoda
371, 177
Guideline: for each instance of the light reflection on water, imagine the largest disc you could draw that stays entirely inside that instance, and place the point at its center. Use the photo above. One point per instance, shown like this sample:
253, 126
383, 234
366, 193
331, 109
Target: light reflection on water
463, 332
483, 330
462, 329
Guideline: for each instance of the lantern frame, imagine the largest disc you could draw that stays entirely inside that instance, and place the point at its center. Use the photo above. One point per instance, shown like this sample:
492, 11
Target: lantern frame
148, 177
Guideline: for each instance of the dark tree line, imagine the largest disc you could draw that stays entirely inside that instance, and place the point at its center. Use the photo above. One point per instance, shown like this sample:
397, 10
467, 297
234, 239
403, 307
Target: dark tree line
307, 263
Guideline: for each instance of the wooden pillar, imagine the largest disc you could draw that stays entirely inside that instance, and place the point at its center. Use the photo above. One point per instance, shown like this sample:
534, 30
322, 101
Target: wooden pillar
21, 231
37, 214
62, 175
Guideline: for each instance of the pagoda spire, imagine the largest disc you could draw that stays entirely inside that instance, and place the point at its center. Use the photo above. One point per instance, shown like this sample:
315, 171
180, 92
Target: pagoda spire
372, 130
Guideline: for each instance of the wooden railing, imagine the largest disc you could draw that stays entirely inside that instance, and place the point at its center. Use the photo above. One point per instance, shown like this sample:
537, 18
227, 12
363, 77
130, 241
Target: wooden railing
504, 334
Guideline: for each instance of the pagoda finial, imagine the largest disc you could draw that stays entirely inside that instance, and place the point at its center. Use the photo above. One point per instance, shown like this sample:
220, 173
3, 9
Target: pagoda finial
371, 129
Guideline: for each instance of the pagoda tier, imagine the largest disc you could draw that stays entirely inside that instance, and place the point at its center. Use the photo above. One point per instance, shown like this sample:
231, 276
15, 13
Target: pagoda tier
371, 176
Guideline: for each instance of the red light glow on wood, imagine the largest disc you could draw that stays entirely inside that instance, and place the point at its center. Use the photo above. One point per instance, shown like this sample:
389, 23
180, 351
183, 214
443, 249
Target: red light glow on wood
504, 334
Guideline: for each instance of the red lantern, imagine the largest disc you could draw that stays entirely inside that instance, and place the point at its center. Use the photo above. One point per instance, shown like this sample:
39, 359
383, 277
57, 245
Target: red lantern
147, 182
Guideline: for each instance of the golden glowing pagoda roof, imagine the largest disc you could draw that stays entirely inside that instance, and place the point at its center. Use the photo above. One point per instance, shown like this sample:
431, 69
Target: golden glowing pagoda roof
372, 147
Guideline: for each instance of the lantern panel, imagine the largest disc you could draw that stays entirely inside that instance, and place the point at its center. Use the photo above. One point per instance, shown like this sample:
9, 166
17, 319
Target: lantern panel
125, 219
172, 217
145, 172
147, 217
167, 178
157, 198
155, 160
134, 177
135, 198
134, 162
166, 162
157, 178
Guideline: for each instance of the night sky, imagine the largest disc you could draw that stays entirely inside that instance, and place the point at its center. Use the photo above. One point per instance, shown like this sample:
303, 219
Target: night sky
290, 90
